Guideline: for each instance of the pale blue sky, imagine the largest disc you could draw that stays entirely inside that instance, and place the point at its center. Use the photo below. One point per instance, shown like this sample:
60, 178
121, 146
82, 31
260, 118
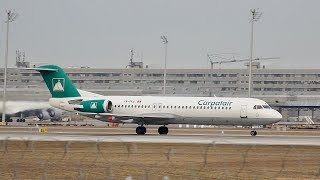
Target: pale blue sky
100, 33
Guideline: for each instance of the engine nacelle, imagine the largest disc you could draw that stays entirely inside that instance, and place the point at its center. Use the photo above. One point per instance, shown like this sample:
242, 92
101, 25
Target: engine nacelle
46, 114
43, 115
96, 106
51, 112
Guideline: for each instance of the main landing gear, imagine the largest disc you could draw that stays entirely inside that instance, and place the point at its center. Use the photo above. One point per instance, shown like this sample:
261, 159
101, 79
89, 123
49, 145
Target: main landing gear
141, 130
163, 130
21, 120
253, 133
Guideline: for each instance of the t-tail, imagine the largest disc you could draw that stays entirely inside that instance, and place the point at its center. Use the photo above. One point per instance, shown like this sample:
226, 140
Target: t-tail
58, 82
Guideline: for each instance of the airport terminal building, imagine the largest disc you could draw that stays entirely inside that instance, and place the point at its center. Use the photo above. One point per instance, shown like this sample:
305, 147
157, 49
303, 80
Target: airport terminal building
269, 84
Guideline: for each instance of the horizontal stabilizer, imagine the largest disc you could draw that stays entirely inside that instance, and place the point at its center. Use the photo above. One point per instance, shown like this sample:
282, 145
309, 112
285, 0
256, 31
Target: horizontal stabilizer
41, 69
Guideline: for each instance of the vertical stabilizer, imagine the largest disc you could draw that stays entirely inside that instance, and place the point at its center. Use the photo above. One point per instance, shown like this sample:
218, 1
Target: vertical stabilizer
58, 82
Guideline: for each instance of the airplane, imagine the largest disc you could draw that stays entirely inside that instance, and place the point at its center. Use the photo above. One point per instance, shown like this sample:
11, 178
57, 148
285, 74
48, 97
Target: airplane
155, 110
23, 109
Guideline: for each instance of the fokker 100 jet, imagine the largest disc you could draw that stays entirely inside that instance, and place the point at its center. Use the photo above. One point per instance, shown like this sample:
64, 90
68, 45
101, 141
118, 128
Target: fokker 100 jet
155, 110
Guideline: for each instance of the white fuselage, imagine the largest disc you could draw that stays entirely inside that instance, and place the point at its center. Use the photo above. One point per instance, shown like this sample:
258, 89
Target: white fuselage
23, 109
188, 110
13, 107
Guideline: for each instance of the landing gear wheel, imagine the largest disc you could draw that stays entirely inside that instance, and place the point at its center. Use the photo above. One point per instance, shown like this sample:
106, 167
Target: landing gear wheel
253, 133
163, 130
140, 130
21, 120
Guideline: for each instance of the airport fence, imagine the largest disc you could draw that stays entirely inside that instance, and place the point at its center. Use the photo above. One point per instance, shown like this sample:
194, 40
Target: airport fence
25, 159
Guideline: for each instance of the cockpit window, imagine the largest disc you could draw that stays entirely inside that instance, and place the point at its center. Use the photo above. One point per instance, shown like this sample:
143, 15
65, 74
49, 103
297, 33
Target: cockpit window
257, 107
266, 107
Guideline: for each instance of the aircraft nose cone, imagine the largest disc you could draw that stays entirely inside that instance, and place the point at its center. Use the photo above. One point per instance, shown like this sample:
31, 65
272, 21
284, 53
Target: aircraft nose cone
277, 115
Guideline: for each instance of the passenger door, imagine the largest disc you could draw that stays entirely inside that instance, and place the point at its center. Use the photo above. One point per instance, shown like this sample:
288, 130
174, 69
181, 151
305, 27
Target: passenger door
243, 111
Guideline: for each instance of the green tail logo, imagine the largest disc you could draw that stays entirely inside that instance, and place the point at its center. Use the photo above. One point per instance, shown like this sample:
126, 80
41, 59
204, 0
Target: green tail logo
58, 82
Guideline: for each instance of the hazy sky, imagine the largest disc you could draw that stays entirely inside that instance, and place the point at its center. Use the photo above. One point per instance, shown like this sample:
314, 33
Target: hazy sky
100, 33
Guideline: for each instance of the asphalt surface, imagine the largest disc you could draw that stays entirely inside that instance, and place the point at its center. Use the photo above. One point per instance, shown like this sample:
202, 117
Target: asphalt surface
206, 136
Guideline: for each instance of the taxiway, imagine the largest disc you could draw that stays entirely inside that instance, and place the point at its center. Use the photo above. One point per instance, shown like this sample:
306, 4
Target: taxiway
175, 136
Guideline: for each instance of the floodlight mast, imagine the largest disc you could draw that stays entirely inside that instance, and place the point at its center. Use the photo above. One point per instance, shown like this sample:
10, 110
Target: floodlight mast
211, 68
165, 42
255, 17
11, 16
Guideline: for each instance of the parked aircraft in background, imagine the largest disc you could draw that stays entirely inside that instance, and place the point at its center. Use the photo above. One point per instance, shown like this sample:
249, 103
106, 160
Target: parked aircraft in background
155, 110
23, 109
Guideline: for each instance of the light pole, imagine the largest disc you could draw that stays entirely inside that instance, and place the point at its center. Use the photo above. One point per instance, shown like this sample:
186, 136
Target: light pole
11, 16
211, 72
165, 42
255, 17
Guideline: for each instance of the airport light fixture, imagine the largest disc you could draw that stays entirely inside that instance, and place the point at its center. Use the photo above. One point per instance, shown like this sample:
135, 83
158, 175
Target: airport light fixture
255, 17
165, 42
211, 68
11, 16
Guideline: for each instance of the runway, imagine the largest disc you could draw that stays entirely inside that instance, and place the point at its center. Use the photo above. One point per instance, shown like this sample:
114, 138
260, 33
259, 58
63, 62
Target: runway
185, 136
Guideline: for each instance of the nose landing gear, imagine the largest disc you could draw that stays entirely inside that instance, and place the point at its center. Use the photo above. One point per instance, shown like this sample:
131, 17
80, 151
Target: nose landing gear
253, 133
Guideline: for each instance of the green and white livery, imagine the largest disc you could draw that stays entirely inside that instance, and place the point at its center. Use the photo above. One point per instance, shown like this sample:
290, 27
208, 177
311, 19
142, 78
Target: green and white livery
155, 110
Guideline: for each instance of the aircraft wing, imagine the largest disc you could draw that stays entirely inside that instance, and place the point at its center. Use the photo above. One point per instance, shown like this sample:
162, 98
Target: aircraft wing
146, 118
